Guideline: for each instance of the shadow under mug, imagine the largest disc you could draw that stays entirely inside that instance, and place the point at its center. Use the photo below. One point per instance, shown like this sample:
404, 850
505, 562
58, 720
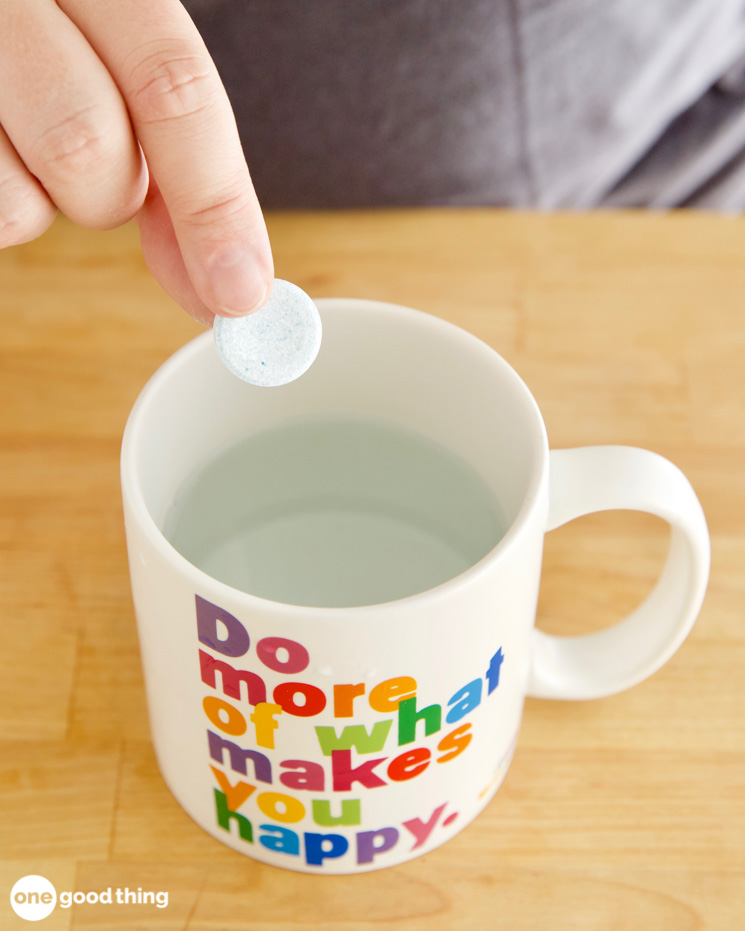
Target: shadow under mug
341, 740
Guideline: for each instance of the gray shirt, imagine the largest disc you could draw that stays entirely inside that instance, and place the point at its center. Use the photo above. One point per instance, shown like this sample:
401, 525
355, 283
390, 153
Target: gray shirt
524, 103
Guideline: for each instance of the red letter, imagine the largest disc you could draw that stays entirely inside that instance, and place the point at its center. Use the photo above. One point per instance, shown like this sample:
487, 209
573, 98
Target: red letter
409, 764
231, 679
297, 655
310, 776
315, 700
345, 775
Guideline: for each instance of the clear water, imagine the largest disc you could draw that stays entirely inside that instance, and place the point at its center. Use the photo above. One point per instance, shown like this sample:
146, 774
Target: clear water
334, 512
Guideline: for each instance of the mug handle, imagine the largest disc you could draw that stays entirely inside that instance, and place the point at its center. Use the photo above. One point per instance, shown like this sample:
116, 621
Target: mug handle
602, 478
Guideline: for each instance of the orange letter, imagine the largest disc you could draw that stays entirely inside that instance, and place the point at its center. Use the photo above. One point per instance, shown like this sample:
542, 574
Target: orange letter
234, 795
344, 696
214, 708
456, 742
386, 696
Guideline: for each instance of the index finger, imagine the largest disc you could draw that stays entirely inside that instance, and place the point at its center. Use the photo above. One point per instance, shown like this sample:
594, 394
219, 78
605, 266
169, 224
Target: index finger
184, 122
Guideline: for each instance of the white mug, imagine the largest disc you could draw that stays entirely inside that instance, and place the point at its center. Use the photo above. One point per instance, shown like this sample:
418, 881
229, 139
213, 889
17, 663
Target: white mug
341, 740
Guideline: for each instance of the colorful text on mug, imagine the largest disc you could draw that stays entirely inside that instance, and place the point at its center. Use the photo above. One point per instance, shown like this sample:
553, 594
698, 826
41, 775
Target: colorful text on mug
394, 698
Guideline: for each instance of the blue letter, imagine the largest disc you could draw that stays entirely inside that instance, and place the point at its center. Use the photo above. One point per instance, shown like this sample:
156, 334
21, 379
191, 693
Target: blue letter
286, 840
492, 673
465, 700
316, 853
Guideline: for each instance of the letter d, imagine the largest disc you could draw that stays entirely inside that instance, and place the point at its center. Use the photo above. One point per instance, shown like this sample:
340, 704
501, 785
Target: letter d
237, 641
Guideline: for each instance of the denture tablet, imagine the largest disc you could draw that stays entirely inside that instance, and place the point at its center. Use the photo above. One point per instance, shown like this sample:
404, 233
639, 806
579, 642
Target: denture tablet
274, 345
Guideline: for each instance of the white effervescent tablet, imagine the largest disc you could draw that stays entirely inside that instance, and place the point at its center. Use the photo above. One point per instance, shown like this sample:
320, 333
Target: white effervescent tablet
276, 344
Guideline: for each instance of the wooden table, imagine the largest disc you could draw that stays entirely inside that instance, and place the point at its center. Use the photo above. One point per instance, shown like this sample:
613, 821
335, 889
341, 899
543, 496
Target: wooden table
625, 813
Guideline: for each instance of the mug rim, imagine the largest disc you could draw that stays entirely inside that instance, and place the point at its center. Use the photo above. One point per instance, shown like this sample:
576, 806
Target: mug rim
134, 498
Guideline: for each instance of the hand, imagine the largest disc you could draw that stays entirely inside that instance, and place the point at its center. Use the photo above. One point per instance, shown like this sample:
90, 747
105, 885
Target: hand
113, 109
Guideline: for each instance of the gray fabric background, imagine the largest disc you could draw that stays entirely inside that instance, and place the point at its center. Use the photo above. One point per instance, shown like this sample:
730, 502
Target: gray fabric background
525, 103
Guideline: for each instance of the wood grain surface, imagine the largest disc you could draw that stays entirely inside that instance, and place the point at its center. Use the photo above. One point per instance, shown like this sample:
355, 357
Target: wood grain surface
624, 813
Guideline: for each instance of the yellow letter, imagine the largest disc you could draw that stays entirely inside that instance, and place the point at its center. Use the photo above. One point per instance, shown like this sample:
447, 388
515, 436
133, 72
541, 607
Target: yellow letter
263, 719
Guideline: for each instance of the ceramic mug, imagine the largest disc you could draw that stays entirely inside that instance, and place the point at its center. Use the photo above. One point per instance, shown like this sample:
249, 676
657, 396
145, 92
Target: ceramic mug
341, 740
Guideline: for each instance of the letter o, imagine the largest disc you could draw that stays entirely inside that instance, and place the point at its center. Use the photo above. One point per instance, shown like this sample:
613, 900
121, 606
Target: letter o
92, 897
269, 803
315, 700
20, 897
235, 724
297, 655
78, 898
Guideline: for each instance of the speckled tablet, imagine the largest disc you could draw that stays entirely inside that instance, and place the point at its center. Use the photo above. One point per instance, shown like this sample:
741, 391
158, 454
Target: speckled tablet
274, 345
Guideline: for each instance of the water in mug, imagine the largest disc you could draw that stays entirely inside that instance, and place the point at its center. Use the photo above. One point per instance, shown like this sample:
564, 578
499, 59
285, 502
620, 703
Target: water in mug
334, 511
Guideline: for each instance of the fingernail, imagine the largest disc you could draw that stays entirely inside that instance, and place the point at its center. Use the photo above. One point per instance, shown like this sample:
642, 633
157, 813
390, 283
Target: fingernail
237, 280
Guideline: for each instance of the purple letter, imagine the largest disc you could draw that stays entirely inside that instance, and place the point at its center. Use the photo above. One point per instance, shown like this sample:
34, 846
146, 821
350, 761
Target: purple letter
366, 846
208, 615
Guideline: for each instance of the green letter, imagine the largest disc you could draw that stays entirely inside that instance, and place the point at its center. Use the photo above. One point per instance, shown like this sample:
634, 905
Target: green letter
225, 815
408, 717
350, 812
354, 736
